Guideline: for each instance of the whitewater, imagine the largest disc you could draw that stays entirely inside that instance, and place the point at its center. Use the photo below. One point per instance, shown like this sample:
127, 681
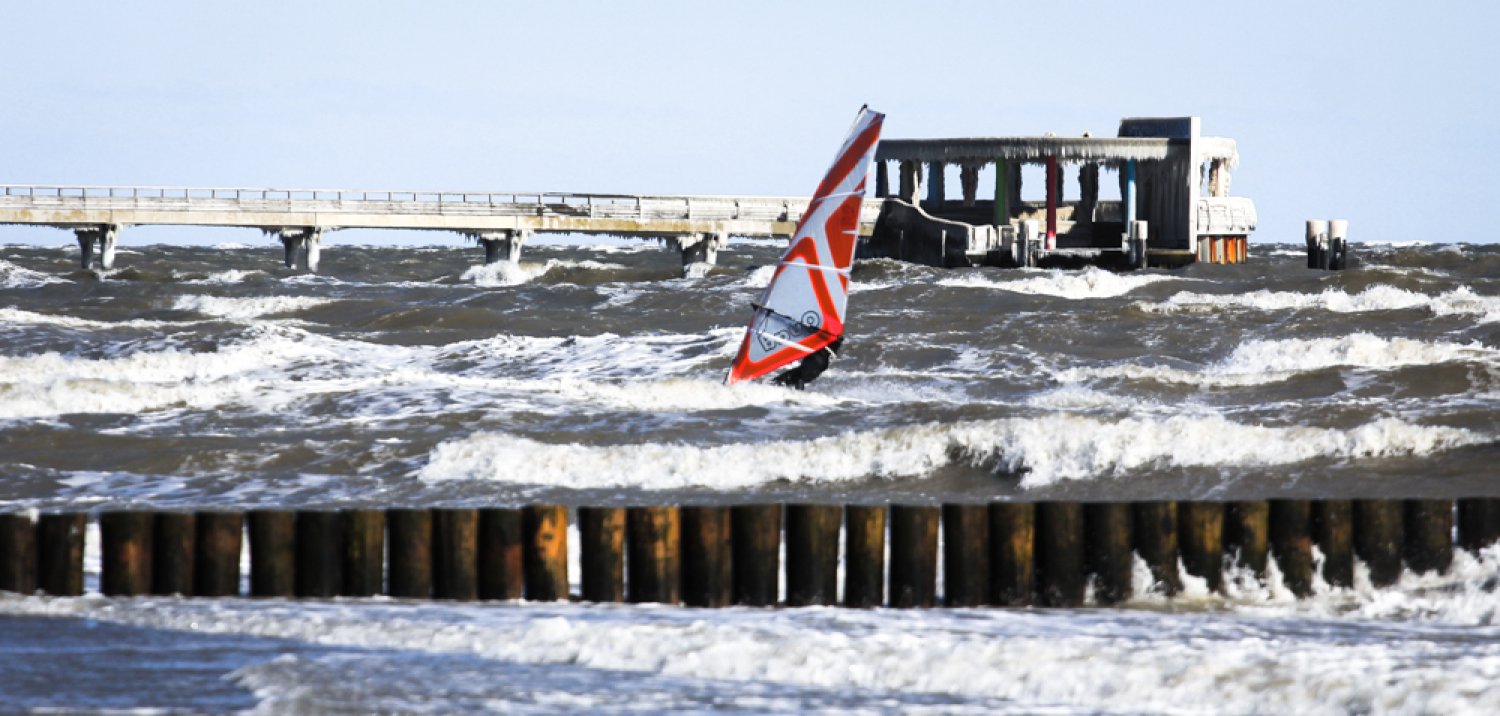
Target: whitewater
192, 377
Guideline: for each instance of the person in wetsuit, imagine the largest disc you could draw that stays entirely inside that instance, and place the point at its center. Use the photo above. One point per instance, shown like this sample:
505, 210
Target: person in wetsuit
811, 367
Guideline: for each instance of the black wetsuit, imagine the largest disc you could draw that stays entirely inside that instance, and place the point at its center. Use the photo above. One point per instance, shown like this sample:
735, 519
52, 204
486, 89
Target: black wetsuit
811, 367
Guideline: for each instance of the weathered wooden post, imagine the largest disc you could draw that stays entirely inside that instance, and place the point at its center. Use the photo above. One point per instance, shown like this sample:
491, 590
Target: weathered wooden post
1291, 542
1379, 536
501, 565
364, 553
966, 555
1200, 537
864, 556
1107, 527
914, 555
1247, 534
273, 553
410, 536
602, 554
1478, 523
1338, 244
1012, 553
1317, 244
1333, 532
653, 542
812, 554
1061, 574
320, 554
126, 541
707, 580
545, 552
59, 551
455, 554
757, 554
216, 568
1155, 526
1429, 535
18, 554
173, 546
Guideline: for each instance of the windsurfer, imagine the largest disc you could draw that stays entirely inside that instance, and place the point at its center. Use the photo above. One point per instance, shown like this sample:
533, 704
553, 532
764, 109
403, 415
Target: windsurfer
811, 367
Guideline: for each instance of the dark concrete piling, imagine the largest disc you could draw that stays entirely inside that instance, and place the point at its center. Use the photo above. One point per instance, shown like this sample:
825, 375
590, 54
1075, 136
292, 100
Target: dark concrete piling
501, 564
216, 557
59, 553
364, 553
18, 554
864, 556
707, 578
1247, 534
1333, 532
914, 556
455, 554
1429, 535
125, 538
1478, 523
1291, 543
966, 555
174, 547
1012, 553
319, 563
410, 561
544, 552
1061, 572
1200, 539
653, 542
756, 561
1379, 537
602, 552
1155, 531
812, 554
1108, 553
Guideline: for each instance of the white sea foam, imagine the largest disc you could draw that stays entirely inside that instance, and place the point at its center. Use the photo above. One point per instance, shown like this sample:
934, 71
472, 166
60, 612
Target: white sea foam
1258, 362
506, 273
761, 276
1092, 282
231, 276
1048, 449
13, 276
246, 307
18, 316
1461, 301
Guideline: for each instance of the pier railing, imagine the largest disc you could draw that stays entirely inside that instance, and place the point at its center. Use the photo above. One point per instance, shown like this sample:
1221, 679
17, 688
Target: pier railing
999, 554
388, 202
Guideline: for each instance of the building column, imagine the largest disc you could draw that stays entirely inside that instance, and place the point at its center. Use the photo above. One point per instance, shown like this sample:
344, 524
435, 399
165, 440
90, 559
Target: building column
909, 186
700, 248
1218, 178
303, 246
501, 246
1088, 192
1054, 184
968, 179
935, 188
96, 245
1002, 192
882, 179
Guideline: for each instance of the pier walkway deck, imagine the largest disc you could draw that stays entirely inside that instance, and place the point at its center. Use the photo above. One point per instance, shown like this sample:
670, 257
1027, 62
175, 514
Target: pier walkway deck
500, 221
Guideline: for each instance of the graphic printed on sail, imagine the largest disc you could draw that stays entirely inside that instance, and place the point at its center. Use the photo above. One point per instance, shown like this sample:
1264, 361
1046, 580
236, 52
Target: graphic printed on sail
802, 309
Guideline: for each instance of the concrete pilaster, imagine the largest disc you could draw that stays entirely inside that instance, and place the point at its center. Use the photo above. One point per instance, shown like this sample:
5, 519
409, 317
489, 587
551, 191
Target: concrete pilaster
501, 245
96, 245
303, 246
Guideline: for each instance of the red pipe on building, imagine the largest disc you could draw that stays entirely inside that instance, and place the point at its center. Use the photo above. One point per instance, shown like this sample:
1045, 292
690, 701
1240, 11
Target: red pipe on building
1052, 187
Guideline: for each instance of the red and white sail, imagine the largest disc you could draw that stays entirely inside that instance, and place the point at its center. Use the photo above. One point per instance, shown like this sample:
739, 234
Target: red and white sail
802, 309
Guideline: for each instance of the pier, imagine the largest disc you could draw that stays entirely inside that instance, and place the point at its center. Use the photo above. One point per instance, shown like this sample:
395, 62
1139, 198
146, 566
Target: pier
1174, 205
697, 226
997, 554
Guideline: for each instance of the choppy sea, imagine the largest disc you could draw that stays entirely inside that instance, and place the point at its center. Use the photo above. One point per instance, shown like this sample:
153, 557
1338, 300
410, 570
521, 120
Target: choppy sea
195, 376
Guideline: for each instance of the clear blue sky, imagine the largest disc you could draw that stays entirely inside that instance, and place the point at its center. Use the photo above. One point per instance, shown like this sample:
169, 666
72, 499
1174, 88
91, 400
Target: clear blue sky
1384, 113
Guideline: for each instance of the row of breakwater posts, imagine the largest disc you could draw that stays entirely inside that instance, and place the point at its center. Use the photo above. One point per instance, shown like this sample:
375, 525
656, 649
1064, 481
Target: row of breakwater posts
1328, 244
1001, 554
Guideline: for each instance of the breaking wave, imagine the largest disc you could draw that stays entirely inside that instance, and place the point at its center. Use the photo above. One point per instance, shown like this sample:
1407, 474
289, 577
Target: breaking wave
505, 273
13, 276
1461, 301
1045, 449
1092, 282
246, 308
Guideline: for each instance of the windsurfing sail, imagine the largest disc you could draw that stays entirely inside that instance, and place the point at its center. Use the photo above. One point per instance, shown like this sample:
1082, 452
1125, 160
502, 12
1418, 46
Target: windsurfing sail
802, 310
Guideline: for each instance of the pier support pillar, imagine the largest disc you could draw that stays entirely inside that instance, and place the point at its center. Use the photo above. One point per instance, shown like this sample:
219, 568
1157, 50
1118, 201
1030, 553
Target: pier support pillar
700, 248
1002, 192
303, 247
500, 246
882, 179
968, 179
1088, 192
96, 245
